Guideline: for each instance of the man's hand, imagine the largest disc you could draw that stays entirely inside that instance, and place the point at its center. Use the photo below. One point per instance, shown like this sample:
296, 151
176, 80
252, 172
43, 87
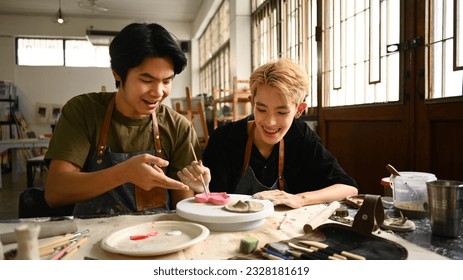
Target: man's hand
191, 176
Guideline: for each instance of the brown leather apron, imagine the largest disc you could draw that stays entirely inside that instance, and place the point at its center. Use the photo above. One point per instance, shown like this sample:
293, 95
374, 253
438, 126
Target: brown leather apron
126, 198
248, 183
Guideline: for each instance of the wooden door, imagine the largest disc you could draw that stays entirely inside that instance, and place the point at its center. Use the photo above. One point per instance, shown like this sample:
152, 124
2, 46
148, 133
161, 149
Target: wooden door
413, 134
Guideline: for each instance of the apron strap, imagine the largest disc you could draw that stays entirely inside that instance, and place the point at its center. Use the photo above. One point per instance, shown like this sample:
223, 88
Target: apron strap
104, 131
145, 200
281, 165
247, 152
156, 197
156, 137
281, 157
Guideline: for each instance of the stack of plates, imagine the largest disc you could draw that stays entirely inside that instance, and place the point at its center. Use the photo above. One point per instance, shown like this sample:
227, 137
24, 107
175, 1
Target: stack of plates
217, 218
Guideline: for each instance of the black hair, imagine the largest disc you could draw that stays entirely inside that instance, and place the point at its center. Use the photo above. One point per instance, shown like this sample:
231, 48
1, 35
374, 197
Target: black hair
137, 41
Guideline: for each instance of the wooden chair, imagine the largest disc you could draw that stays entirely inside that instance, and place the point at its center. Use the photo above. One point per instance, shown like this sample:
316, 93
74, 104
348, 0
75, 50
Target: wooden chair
191, 113
233, 98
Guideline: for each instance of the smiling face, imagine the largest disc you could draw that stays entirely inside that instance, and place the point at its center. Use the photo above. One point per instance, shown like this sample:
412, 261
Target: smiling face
146, 86
273, 115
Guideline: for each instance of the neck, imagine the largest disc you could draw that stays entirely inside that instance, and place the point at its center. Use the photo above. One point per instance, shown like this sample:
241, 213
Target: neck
264, 148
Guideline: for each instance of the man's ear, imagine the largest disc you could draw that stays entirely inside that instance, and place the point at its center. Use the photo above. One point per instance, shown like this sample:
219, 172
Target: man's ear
300, 108
116, 77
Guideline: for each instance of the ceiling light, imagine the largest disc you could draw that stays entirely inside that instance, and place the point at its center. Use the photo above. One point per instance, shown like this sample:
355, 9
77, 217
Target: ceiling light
59, 16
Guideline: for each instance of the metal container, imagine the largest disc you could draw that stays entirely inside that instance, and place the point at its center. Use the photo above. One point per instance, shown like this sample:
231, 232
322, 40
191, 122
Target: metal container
445, 207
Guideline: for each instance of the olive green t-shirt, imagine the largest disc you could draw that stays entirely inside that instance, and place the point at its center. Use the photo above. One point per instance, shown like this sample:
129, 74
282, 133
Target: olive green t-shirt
78, 131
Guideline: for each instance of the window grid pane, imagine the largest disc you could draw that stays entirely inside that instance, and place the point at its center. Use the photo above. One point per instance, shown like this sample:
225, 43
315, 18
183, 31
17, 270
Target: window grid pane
351, 84
81, 53
214, 55
312, 58
443, 81
40, 52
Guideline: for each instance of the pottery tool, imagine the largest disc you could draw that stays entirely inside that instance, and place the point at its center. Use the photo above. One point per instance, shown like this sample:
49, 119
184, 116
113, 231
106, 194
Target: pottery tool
61, 241
63, 251
326, 252
317, 254
46, 230
276, 254
268, 256
74, 249
333, 251
321, 217
299, 252
200, 175
302, 256
283, 221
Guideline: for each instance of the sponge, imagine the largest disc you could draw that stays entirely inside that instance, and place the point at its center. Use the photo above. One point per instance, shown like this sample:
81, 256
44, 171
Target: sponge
248, 244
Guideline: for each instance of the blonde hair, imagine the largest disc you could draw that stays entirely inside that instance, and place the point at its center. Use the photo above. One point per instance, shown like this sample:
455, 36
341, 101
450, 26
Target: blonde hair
283, 74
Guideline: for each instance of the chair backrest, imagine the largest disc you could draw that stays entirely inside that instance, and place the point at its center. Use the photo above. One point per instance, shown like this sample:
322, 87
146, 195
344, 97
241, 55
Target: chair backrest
32, 204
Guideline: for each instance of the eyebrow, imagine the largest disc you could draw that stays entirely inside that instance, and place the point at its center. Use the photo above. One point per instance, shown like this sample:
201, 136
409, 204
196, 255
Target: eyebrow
154, 78
279, 107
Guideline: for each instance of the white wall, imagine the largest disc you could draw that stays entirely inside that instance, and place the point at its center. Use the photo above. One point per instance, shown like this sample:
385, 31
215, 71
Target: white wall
56, 85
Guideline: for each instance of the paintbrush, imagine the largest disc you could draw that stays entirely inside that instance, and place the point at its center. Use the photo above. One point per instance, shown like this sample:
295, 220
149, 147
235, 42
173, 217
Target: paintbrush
302, 254
268, 256
319, 255
200, 175
326, 247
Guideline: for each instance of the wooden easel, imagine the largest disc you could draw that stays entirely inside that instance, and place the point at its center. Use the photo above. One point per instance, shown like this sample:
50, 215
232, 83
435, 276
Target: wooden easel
190, 114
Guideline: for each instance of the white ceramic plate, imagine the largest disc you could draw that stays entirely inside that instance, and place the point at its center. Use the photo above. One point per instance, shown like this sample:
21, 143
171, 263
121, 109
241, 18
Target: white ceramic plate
216, 218
161, 241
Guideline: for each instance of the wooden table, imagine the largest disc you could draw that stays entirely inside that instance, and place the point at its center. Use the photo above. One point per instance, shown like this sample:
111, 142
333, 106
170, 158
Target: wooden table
16, 144
218, 245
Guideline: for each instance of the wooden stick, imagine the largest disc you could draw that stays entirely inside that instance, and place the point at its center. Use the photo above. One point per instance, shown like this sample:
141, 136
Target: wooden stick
283, 221
319, 255
61, 241
325, 246
200, 175
321, 217
74, 249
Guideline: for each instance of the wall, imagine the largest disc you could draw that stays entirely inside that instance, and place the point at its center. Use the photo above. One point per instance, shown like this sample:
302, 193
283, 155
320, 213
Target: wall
55, 85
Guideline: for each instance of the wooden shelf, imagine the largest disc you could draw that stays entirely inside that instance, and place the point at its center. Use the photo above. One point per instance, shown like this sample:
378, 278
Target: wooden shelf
237, 98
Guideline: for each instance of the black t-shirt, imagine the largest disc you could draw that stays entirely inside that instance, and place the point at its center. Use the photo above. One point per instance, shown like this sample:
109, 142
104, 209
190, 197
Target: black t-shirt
308, 165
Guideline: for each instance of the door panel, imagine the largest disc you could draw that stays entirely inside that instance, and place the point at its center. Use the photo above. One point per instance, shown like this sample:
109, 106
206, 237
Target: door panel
412, 134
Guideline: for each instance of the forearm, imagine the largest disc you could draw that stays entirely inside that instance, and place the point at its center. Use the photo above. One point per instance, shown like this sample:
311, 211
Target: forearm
70, 186
329, 194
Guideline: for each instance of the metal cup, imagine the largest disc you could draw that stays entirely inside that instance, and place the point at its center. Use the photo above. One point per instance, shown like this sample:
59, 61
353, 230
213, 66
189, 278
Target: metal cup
445, 202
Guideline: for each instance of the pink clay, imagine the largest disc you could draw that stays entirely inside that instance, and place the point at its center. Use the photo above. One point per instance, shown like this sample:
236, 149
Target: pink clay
218, 198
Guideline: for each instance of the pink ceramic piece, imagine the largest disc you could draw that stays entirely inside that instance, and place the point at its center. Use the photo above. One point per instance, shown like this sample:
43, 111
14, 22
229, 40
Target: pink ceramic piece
219, 198
201, 197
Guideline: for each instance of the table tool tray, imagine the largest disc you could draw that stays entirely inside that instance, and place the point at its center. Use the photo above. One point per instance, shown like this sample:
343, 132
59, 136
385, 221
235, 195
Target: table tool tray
344, 238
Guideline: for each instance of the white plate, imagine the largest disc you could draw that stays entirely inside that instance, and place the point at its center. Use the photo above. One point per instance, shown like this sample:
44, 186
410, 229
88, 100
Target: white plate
217, 218
159, 244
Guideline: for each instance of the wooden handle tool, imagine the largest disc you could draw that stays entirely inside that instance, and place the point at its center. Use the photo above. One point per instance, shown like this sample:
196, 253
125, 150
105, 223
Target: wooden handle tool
321, 217
325, 246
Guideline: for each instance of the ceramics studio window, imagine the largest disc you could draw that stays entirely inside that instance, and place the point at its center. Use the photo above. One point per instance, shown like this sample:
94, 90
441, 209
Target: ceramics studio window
60, 52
